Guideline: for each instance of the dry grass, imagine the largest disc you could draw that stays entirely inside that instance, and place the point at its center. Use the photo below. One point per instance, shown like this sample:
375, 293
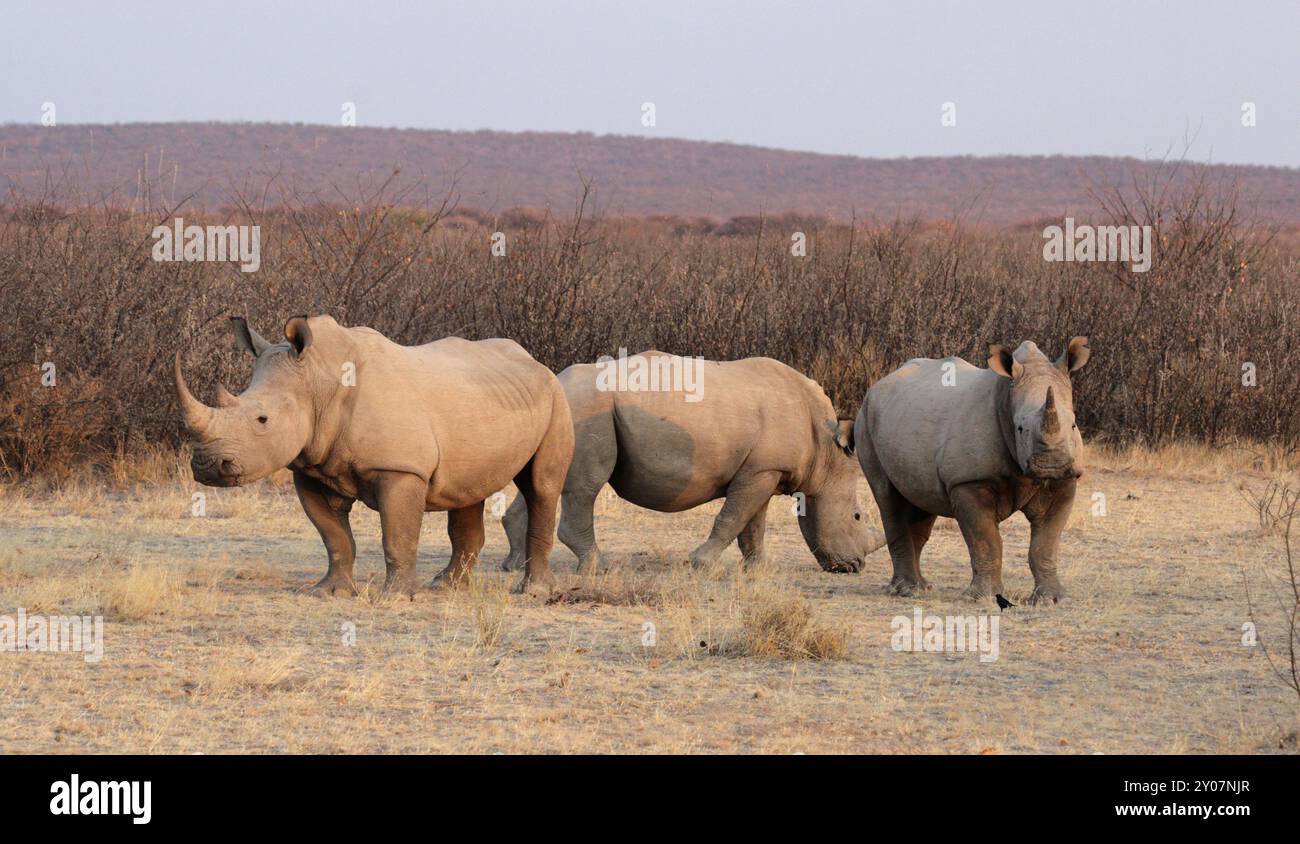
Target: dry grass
145, 591
784, 625
210, 644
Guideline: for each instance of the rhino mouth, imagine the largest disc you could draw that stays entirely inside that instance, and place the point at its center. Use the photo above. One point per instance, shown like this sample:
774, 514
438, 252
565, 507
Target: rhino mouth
840, 565
216, 471
1053, 471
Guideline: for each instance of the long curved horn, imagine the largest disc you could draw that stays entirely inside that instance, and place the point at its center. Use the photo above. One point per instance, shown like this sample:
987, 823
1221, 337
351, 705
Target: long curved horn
224, 397
197, 415
1051, 423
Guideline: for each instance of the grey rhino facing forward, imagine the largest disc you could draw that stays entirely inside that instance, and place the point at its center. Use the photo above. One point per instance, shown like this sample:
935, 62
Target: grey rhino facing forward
757, 428
945, 438
403, 429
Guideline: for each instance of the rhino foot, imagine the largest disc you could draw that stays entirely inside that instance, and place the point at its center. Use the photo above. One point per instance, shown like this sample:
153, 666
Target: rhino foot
982, 588
536, 586
448, 580
334, 584
513, 562
908, 588
401, 584
1050, 592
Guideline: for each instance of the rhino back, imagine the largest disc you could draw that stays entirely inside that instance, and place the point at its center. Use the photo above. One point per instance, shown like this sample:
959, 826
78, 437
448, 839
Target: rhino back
468, 415
930, 436
674, 454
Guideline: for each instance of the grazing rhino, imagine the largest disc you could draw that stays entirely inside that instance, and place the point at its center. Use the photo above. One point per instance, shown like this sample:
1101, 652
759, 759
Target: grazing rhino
945, 438
405, 429
755, 428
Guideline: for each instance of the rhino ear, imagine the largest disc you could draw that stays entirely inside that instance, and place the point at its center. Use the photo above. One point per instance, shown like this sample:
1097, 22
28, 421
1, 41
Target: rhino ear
246, 339
1075, 356
1001, 361
298, 333
844, 436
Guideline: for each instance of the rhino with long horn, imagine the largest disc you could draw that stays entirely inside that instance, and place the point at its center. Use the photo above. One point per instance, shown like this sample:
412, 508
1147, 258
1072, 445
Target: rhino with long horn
946, 438
403, 429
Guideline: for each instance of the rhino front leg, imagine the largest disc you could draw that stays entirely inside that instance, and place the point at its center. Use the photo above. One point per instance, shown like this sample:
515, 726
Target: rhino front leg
329, 513
746, 496
465, 529
976, 510
400, 497
1048, 513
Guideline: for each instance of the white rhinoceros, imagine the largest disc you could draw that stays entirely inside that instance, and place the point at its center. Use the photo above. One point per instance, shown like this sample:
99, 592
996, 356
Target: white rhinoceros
403, 429
748, 430
945, 438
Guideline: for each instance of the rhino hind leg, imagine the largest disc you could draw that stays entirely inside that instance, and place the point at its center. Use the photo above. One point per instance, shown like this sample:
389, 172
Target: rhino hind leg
907, 528
540, 484
751, 539
975, 507
906, 531
747, 496
921, 525
595, 456
329, 514
515, 523
578, 527
465, 530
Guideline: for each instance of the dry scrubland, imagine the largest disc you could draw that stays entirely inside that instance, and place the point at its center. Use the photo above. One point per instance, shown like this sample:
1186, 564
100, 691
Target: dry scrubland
211, 645
79, 290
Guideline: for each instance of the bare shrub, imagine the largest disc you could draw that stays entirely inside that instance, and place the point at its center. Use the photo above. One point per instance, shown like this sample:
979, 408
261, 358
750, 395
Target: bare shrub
1169, 345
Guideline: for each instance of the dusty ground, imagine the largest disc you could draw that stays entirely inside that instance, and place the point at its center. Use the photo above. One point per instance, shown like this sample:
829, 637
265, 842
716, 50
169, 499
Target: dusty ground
211, 646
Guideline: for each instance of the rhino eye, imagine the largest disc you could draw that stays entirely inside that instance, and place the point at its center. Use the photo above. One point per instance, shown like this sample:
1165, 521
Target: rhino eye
1020, 429
857, 516
261, 419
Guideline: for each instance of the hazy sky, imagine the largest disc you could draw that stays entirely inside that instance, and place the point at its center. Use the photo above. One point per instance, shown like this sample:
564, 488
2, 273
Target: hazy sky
1112, 78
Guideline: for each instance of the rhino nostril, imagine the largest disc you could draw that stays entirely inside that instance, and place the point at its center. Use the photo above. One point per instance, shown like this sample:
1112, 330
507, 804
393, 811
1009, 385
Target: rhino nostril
228, 467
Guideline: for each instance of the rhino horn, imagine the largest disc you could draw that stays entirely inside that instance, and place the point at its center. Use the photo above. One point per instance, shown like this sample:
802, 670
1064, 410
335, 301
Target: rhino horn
197, 415
1051, 423
224, 397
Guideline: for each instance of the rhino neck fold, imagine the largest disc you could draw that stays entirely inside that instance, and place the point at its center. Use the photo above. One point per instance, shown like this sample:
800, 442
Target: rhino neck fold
1006, 420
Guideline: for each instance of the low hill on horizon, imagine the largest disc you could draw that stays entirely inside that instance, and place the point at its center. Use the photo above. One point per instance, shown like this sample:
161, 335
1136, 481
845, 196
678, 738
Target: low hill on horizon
218, 163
